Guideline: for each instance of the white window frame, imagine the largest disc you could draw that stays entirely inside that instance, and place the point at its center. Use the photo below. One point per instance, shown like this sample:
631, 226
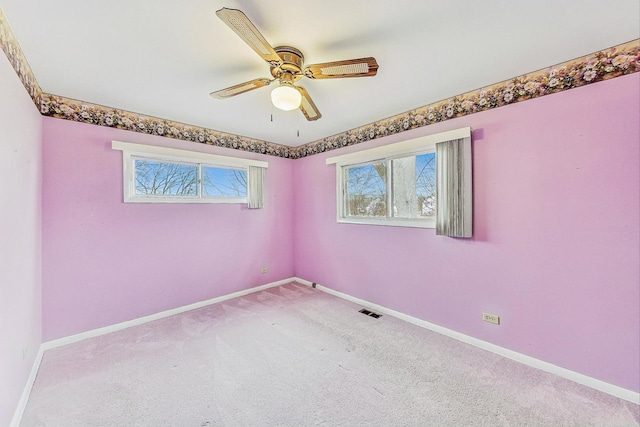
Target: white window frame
387, 153
132, 152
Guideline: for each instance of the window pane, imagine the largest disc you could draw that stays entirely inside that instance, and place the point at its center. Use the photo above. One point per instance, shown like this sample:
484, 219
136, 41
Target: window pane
220, 182
414, 186
426, 184
155, 178
366, 190
405, 201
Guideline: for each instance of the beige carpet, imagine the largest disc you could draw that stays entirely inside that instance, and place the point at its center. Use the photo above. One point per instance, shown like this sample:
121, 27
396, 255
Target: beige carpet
295, 356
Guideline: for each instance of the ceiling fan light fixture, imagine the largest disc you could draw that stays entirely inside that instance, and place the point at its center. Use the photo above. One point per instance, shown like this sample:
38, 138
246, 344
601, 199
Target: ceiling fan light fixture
286, 64
286, 97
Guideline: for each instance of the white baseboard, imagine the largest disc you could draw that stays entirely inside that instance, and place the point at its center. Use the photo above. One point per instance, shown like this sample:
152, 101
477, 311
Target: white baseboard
22, 403
142, 320
600, 385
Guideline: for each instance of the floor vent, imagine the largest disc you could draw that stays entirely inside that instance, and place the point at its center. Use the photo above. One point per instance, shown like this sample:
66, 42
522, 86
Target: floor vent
370, 313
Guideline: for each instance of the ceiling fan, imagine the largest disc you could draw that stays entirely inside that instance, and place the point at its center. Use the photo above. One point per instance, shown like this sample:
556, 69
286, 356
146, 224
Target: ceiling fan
287, 67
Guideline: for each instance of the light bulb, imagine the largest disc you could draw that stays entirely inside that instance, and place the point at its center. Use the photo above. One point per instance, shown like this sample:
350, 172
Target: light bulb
286, 97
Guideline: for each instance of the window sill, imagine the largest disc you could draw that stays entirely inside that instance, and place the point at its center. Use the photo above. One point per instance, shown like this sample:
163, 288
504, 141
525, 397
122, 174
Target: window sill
183, 200
398, 222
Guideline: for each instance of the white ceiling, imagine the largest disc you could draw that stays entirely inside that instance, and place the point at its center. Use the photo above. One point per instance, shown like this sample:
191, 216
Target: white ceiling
162, 58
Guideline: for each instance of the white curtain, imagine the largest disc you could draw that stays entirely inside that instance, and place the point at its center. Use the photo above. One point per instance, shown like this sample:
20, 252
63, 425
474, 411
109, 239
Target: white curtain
255, 187
453, 188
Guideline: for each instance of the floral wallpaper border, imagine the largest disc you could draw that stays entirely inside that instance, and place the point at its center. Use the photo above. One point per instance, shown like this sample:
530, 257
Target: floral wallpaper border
604, 65
84, 112
12, 49
607, 64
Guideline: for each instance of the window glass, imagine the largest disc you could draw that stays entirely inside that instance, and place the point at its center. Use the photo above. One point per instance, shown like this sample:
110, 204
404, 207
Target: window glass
394, 191
426, 184
403, 187
414, 186
366, 190
395, 184
154, 178
221, 182
152, 174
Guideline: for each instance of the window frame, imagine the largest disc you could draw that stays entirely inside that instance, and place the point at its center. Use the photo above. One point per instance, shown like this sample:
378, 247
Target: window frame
387, 153
132, 152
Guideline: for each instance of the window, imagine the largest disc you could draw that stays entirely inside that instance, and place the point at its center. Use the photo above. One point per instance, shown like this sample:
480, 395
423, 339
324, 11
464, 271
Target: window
391, 185
164, 175
400, 189
154, 178
411, 187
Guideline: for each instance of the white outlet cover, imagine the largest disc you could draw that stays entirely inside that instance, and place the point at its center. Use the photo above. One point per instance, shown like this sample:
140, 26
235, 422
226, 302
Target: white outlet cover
491, 318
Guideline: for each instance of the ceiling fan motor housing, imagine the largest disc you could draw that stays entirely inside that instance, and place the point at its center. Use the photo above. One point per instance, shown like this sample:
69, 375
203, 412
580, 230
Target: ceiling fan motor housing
292, 63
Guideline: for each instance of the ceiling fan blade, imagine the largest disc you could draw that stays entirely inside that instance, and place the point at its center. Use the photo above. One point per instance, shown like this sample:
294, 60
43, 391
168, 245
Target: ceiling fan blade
307, 105
241, 88
362, 67
244, 28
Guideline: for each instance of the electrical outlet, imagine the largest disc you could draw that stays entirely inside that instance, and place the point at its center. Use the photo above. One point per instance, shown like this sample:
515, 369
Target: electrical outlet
491, 318
264, 270
25, 352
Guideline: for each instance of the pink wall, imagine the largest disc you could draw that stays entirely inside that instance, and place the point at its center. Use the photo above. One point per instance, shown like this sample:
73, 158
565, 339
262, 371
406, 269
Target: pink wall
105, 261
20, 237
555, 253
556, 244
